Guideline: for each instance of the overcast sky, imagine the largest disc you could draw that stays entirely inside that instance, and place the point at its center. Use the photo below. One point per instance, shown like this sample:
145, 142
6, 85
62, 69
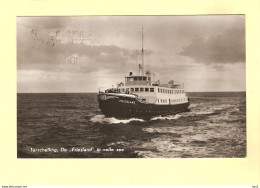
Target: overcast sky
81, 54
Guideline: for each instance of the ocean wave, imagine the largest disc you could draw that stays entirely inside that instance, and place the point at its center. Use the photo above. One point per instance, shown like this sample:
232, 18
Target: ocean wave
205, 112
197, 113
192, 105
104, 120
160, 130
169, 117
162, 144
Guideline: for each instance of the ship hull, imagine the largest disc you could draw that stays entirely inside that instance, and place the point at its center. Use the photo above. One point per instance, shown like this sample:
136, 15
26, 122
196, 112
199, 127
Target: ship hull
127, 106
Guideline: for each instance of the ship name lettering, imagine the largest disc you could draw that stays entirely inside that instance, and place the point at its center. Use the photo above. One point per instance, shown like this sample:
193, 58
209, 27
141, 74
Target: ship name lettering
127, 101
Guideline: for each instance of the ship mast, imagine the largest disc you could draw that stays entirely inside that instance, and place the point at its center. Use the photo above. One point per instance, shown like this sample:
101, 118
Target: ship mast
142, 51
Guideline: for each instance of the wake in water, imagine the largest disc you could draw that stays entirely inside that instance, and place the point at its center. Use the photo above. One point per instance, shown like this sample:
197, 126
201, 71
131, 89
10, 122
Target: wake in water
111, 120
169, 117
104, 120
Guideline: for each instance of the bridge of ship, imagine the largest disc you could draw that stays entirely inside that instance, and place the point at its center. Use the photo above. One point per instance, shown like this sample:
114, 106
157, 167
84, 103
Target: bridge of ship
148, 90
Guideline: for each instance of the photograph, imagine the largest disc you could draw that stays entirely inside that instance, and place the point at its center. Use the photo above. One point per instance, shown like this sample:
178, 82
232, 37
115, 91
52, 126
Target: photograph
139, 86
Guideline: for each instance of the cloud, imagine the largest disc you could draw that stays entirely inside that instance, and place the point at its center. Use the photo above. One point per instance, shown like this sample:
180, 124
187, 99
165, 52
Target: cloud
227, 47
184, 48
38, 55
46, 22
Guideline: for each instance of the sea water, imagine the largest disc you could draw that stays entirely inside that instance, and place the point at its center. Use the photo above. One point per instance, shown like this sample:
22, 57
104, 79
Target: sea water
65, 125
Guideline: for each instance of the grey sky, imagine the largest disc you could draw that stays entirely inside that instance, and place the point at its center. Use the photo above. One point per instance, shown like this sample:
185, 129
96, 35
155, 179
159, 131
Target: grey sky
207, 53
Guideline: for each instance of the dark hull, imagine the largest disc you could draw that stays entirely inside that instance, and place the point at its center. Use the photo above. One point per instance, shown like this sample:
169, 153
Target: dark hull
113, 105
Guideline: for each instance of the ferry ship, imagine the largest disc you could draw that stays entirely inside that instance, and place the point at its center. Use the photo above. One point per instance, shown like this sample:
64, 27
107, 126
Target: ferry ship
141, 96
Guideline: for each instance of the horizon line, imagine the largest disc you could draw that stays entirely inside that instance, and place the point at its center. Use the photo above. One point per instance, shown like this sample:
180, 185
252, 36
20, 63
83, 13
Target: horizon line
97, 92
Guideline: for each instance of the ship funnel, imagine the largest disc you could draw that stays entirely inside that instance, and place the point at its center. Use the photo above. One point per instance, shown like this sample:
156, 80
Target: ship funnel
130, 73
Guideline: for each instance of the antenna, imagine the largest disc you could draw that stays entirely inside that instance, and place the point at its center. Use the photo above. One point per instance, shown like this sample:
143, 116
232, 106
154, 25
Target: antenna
142, 51
141, 67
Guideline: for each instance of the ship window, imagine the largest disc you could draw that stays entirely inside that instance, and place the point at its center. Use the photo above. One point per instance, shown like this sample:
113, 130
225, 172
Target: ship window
132, 89
146, 89
149, 78
151, 89
136, 89
135, 78
123, 90
144, 78
141, 89
158, 90
140, 78
161, 100
144, 100
127, 89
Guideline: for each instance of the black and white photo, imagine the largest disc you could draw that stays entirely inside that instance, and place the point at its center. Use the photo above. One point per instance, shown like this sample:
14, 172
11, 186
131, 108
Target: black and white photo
131, 86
